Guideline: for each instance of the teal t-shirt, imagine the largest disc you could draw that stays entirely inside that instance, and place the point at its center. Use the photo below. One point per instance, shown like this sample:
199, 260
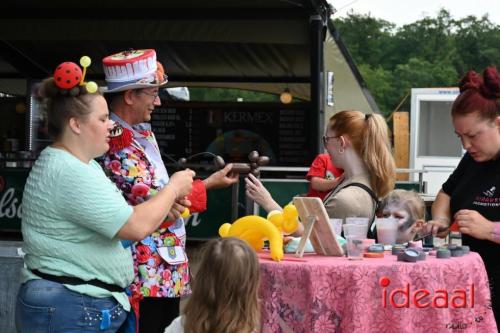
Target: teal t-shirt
71, 214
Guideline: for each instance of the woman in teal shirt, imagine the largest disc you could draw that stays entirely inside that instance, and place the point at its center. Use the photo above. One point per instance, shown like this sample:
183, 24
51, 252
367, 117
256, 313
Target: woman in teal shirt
74, 218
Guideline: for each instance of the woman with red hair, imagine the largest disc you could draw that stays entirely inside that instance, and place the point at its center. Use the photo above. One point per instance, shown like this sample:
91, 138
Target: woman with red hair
359, 144
470, 197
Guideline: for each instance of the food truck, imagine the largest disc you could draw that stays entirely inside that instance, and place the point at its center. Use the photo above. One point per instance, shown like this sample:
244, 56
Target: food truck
276, 48
271, 47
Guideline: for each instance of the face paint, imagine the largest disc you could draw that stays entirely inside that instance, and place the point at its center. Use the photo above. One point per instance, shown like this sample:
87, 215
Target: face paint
404, 218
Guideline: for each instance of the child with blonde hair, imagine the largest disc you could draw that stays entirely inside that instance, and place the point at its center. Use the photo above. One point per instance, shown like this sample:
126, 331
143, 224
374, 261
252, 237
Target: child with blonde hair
225, 291
408, 208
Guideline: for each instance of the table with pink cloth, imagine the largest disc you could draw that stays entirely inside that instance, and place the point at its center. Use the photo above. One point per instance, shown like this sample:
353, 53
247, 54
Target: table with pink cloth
333, 294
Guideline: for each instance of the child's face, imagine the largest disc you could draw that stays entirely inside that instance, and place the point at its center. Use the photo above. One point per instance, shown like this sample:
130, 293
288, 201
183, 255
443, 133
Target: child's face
406, 222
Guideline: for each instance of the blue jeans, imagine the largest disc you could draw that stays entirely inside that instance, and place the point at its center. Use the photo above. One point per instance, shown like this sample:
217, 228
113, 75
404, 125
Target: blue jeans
48, 307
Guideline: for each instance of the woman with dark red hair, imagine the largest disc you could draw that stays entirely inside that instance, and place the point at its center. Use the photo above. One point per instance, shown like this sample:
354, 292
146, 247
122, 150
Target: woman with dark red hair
470, 198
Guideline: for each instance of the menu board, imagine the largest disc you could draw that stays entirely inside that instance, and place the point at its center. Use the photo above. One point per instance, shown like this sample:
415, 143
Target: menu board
234, 130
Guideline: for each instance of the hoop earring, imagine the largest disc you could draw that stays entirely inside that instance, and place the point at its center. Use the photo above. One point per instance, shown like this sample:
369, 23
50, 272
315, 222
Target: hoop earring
341, 150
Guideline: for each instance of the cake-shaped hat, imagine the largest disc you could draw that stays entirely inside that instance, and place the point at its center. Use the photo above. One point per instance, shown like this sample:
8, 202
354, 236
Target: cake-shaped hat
134, 69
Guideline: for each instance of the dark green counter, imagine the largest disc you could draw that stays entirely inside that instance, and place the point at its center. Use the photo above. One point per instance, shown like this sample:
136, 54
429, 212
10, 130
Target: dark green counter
199, 226
12, 182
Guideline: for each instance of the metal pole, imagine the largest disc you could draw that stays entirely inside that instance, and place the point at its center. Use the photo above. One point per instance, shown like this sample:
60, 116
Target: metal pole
317, 29
421, 182
234, 200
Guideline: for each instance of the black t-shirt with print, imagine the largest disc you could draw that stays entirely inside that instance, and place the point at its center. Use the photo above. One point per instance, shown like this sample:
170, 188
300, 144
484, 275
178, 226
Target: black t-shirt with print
476, 186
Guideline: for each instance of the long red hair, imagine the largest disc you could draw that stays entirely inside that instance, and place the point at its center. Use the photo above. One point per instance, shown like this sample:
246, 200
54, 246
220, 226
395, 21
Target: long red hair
369, 135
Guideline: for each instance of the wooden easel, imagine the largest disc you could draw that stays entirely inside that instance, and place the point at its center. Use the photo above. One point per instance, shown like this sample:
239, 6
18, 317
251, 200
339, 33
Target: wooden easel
317, 228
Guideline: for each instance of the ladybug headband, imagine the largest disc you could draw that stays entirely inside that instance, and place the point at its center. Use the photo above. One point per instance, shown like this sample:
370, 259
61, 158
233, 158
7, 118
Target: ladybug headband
69, 75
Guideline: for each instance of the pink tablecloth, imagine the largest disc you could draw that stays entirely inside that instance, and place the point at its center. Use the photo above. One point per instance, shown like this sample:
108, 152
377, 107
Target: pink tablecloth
331, 294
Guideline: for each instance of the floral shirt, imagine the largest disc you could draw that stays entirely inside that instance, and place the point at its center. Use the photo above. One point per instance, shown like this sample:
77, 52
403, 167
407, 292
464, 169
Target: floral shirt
134, 164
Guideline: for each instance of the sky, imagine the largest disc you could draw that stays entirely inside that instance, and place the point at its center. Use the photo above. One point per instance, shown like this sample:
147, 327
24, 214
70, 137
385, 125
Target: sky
403, 12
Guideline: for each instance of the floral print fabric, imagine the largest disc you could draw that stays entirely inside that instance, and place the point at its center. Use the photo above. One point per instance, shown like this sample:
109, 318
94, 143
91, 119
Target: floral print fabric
134, 174
331, 294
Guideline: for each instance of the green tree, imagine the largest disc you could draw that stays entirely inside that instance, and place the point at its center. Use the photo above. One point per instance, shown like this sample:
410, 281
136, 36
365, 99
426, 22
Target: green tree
386, 92
431, 52
477, 42
367, 37
429, 39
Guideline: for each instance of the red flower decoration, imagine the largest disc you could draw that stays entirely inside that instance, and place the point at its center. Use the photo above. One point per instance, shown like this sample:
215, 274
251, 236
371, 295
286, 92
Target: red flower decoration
115, 166
120, 138
153, 291
146, 133
143, 253
166, 275
158, 259
140, 190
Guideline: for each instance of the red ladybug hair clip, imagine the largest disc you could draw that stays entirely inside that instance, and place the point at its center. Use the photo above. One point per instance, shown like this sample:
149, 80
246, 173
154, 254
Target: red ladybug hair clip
69, 75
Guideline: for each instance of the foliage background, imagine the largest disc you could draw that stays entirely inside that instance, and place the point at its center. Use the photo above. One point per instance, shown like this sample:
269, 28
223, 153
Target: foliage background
431, 52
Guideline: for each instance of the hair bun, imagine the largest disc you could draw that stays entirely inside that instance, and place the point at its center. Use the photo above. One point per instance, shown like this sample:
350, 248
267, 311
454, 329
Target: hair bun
491, 83
48, 89
470, 81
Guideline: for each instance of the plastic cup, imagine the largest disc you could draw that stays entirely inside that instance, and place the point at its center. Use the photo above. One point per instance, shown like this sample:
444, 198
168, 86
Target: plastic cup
354, 230
367, 242
354, 247
358, 220
336, 225
387, 230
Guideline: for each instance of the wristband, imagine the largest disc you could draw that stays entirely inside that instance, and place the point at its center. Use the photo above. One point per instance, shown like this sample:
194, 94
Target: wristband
496, 231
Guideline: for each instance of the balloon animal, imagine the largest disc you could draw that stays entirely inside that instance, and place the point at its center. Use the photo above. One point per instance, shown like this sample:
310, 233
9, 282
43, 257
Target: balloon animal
286, 221
255, 229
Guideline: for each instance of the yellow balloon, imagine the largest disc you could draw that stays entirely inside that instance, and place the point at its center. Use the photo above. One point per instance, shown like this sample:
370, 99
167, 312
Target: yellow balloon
286, 221
224, 229
290, 226
254, 238
290, 211
273, 213
276, 218
85, 61
185, 213
91, 87
250, 228
290, 219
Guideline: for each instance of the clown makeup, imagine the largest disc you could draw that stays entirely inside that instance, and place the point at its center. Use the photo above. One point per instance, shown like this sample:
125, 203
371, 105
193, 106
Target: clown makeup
408, 208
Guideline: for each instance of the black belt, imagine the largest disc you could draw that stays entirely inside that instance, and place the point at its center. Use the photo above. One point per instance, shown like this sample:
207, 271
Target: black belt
76, 281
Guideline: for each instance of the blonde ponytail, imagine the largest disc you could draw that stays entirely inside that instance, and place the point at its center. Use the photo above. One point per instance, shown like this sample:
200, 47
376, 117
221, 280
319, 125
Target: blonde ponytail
369, 135
376, 153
